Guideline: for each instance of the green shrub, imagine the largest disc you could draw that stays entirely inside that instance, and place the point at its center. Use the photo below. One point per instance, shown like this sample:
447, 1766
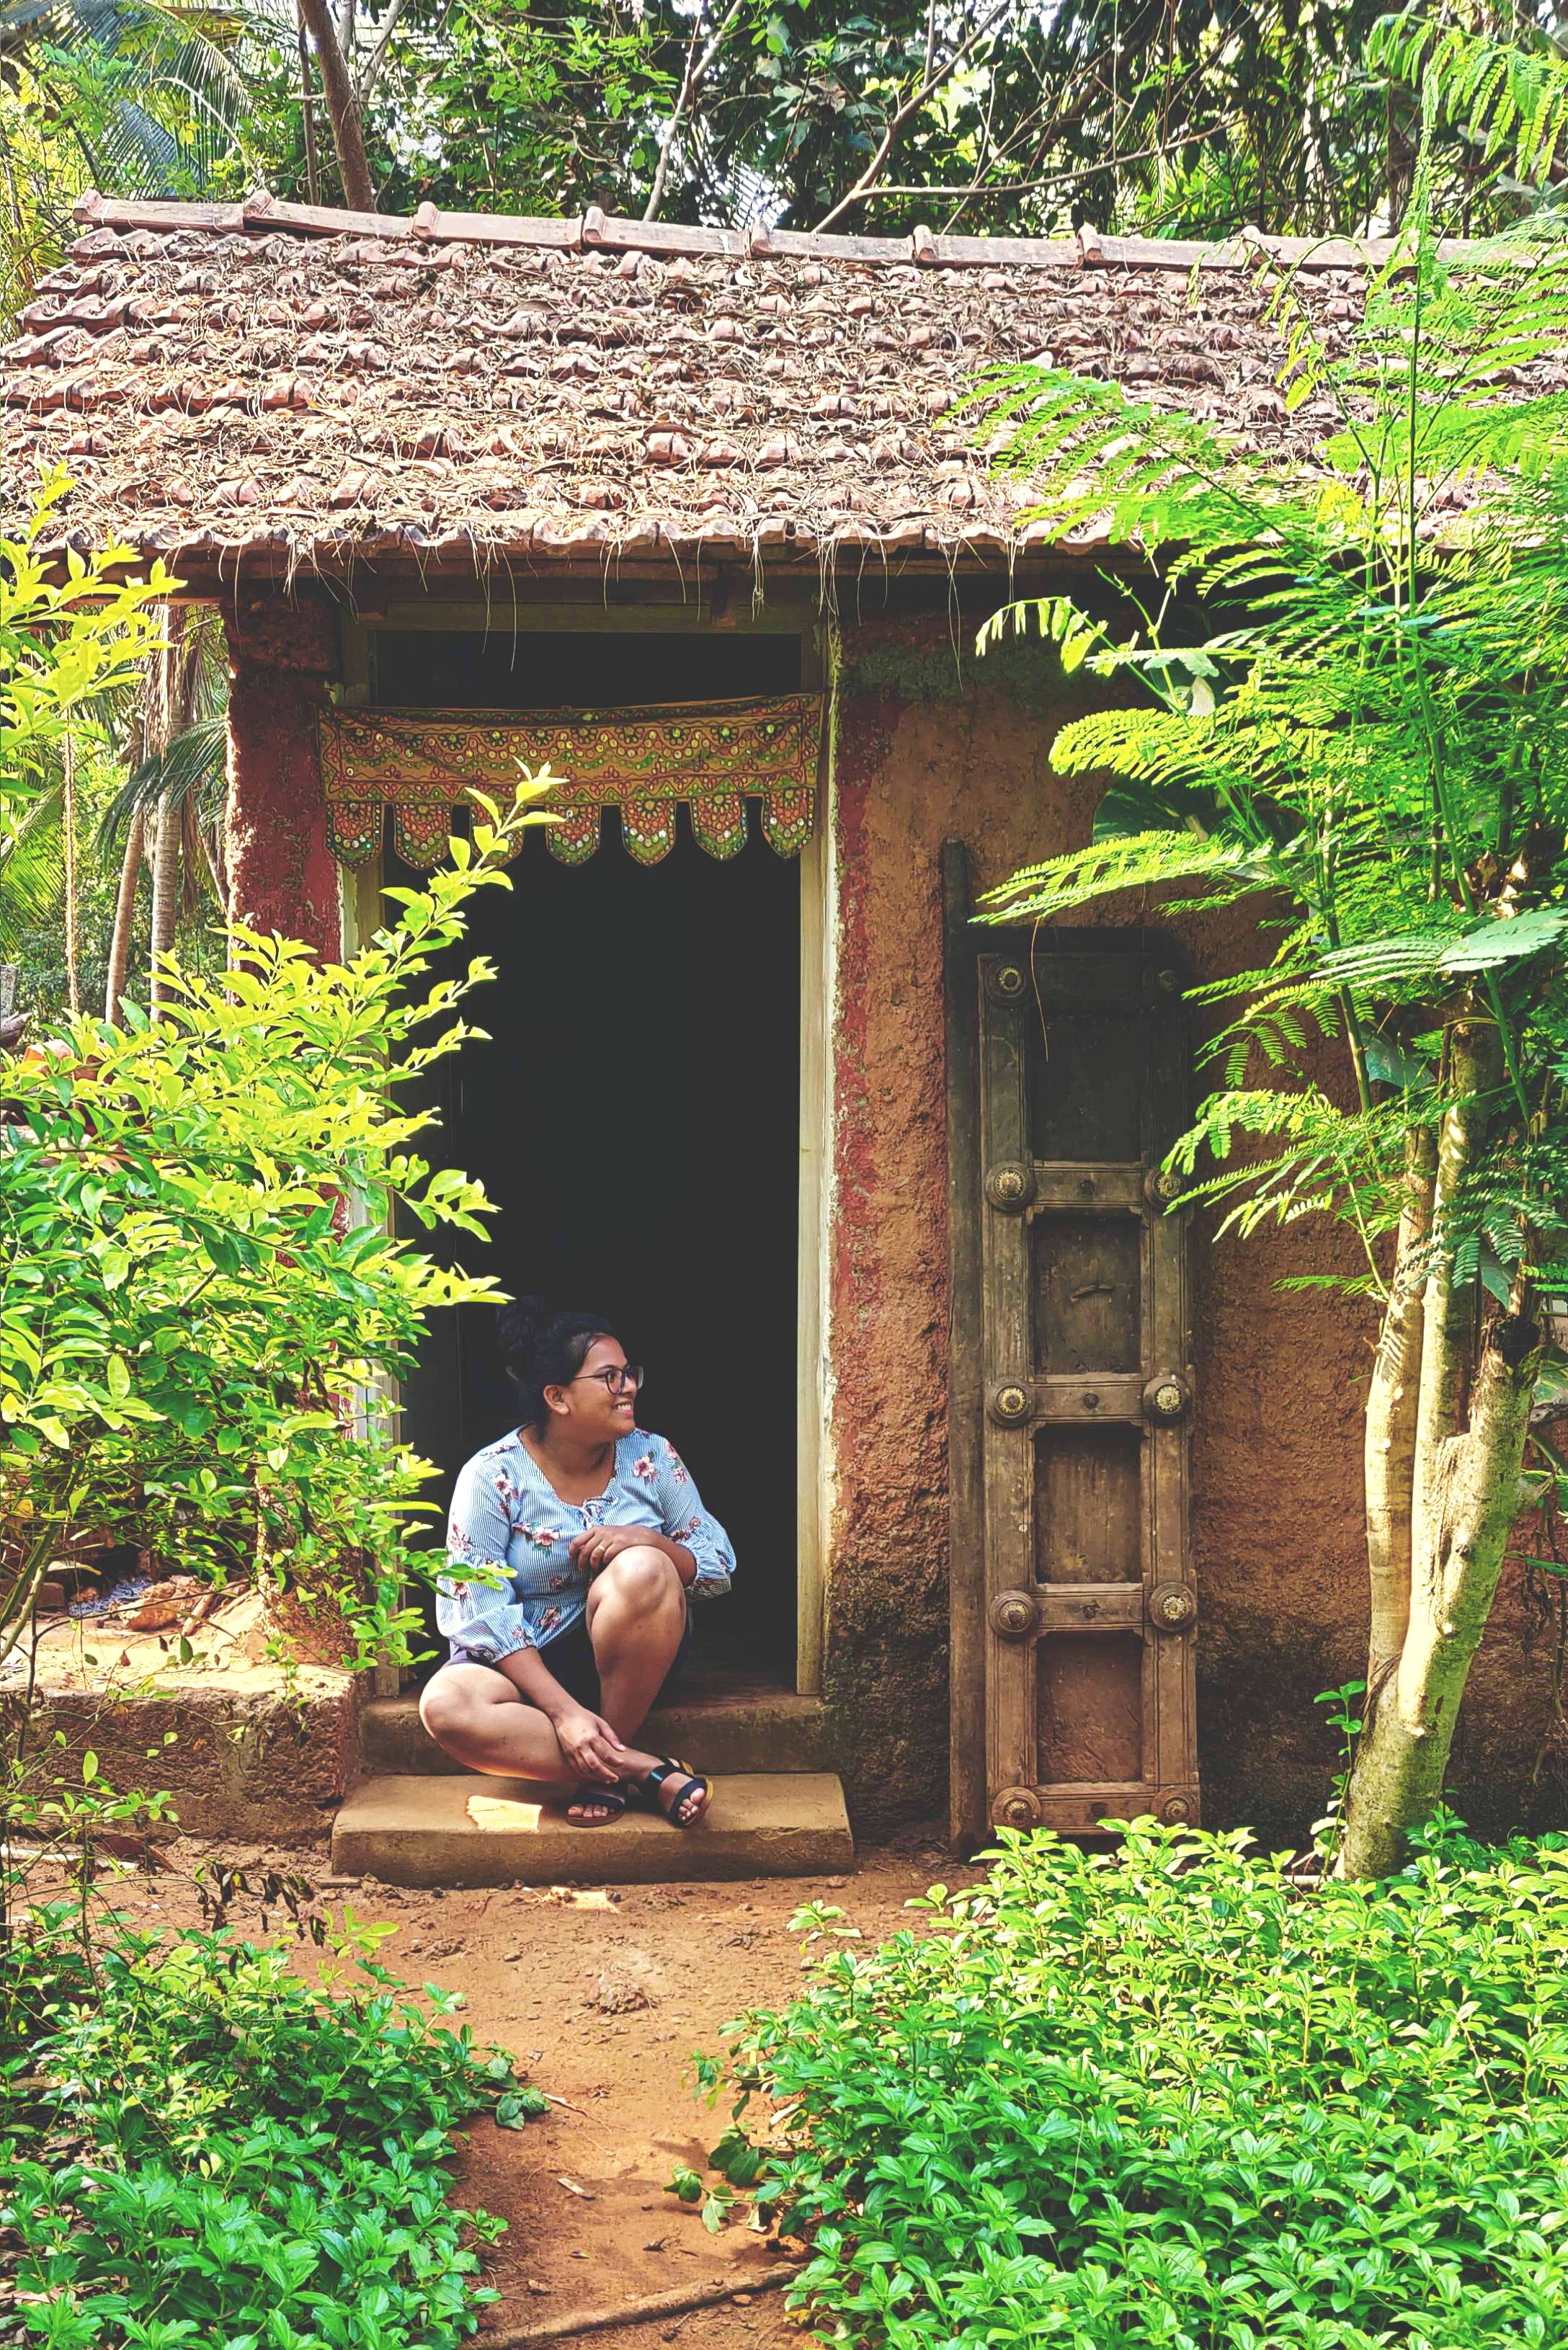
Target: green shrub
1169, 2098
263, 2161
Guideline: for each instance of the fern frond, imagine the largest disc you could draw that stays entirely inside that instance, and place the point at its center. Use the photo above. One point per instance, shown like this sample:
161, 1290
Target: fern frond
1145, 860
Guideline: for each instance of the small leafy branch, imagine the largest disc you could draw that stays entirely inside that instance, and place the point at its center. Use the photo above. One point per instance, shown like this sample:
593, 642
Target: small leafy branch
201, 1291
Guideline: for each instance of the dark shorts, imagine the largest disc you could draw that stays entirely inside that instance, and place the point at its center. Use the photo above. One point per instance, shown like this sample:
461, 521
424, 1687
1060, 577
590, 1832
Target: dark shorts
572, 1662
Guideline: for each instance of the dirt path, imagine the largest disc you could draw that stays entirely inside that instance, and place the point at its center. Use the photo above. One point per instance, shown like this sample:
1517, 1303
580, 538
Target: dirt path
604, 1998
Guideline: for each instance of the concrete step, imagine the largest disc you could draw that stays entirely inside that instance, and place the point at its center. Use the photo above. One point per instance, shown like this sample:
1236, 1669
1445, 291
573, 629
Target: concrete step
458, 1828
742, 1730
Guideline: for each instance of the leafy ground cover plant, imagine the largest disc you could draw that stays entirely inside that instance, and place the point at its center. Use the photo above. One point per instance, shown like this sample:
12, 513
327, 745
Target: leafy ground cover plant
1166, 2098
222, 2152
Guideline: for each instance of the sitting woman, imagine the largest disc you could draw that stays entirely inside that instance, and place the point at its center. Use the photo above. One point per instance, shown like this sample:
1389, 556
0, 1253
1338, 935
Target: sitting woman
602, 1538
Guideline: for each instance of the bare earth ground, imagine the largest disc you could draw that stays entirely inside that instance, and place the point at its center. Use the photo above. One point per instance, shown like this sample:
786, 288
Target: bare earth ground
602, 1997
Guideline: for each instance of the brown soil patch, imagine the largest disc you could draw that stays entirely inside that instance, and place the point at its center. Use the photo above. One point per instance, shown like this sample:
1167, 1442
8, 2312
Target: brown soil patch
602, 1997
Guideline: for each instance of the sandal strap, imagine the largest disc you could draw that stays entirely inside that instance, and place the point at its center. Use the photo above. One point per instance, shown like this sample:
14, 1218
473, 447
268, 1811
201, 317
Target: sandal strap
613, 1799
652, 1780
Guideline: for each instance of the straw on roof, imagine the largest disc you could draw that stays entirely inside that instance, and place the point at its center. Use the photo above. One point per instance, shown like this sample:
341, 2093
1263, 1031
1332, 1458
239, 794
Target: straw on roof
314, 387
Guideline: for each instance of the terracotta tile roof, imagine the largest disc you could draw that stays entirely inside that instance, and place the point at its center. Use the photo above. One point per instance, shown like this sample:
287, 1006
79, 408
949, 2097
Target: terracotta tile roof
312, 387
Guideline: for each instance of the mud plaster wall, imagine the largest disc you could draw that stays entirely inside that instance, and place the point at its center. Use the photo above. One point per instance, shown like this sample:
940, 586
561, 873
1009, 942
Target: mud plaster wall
924, 755
282, 872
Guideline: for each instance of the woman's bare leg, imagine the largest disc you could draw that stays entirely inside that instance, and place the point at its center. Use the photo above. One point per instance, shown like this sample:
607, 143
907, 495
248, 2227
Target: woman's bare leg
636, 1617
478, 1718
481, 1721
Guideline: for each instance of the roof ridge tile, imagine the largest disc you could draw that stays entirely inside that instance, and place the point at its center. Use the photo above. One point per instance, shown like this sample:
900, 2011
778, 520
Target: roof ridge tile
605, 231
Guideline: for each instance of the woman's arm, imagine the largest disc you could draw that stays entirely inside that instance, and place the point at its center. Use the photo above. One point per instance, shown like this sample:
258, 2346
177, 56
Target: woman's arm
597, 1545
482, 1618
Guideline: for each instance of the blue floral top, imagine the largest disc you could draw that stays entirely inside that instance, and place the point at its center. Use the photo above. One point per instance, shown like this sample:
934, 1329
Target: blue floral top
507, 1514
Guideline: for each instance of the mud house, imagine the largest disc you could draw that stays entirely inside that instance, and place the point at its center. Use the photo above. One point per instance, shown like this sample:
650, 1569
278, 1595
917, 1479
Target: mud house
1047, 1509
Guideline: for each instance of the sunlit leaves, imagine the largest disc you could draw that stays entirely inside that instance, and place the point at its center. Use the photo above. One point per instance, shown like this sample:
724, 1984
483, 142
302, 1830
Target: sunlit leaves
1171, 2096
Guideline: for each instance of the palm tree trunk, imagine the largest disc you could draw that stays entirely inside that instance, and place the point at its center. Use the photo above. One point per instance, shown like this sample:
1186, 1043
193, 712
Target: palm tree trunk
165, 894
124, 920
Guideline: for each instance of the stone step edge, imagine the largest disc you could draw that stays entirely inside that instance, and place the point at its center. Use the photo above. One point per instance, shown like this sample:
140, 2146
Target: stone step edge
421, 1831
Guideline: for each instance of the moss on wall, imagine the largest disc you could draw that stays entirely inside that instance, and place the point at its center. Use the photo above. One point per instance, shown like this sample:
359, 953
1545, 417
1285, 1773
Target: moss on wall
923, 661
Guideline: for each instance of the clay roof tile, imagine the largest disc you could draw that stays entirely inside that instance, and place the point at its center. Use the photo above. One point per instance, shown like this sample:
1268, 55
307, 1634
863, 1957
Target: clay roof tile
561, 387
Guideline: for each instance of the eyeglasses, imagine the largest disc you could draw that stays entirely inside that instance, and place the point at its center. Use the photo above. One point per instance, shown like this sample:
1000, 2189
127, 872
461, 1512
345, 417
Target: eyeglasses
617, 1379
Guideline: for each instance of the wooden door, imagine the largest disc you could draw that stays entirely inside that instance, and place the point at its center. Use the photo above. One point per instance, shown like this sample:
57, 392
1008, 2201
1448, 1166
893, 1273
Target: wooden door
1090, 1605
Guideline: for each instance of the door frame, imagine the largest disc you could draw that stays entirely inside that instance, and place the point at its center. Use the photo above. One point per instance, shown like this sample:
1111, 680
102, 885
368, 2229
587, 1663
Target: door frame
359, 908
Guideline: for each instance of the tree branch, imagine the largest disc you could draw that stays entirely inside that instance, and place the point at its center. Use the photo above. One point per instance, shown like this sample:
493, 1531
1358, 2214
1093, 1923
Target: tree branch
928, 87
695, 75
366, 81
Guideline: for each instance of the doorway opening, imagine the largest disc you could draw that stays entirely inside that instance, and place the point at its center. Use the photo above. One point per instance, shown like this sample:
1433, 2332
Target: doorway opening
635, 1118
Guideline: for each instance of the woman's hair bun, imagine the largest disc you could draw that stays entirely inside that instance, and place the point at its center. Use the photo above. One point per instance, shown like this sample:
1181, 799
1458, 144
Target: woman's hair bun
544, 1348
518, 1324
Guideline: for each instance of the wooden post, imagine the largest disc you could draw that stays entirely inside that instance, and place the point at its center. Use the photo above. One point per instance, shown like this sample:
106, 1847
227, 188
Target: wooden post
966, 1504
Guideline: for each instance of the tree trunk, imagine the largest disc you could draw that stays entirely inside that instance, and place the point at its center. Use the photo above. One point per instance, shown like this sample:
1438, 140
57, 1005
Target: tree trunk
1403, 1759
342, 108
1391, 1414
165, 894
1462, 1491
124, 920
170, 706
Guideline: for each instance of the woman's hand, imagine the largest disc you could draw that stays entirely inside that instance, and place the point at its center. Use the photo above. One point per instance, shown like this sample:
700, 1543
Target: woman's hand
590, 1746
596, 1545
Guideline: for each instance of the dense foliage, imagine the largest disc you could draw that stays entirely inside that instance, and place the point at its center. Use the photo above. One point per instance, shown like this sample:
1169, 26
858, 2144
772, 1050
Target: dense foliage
222, 2152
1174, 115
1167, 2098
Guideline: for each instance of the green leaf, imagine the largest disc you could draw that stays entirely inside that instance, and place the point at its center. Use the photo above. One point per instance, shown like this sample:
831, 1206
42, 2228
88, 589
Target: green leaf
1501, 940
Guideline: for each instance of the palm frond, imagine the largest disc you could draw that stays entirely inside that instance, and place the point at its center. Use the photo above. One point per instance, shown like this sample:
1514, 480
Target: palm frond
32, 873
190, 768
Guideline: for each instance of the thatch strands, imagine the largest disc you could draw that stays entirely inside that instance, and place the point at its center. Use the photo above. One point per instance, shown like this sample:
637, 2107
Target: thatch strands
315, 386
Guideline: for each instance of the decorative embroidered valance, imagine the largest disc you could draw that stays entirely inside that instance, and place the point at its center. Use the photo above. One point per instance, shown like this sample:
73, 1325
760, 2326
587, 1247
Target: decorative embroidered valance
715, 756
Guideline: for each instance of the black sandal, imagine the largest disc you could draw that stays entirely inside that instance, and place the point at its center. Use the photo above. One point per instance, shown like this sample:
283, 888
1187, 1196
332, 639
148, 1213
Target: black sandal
612, 1798
645, 1791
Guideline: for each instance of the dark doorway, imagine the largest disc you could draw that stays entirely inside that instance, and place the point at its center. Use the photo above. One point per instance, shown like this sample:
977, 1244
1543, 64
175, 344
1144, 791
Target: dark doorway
636, 1120
564, 669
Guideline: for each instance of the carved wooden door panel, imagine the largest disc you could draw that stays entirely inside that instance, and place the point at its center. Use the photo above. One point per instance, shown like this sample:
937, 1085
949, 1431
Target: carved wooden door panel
1091, 1606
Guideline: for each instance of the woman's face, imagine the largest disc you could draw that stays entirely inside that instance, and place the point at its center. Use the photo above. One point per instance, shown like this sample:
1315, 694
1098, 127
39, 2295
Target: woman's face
593, 1407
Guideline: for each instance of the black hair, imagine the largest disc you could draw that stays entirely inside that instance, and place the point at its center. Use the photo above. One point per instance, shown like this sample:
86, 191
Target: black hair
541, 1348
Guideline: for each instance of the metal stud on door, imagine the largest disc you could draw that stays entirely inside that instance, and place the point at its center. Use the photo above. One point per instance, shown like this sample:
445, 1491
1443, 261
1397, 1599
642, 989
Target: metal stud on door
1091, 1606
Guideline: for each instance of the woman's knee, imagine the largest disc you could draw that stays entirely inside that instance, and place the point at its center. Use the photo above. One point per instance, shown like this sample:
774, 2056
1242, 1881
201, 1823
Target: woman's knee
448, 1706
643, 1577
